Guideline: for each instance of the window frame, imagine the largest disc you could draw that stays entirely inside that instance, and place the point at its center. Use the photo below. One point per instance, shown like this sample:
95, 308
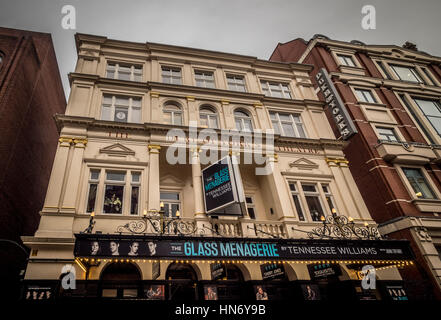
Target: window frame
113, 106
294, 124
179, 202
242, 120
173, 113
392, 128
340, 55
427, 180
371, 93
205, 81
118, 65
235, 77
210, 115
427, 117
413, 70
281, 85
251, 205
171, 76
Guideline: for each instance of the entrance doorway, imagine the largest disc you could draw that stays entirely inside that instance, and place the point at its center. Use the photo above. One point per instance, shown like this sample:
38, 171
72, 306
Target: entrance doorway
182, 282
121, 281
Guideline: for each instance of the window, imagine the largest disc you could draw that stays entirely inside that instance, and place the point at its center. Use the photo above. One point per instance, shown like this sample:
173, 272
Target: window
124, 72
406, 73
243, 121
432, 111
250, 207
204, 79
429, 75
364, 95
415, 118
295, 197
328, 196
172, 114
171, 75
274, 89
418, 182
236, 83
94, 177
289, 125
383, 68
114, 192
387, 134
208, 117
134, 199
312, 197
346, 60
121, 109
171, 202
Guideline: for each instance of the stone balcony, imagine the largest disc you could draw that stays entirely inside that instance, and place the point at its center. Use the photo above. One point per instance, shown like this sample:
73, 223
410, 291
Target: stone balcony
406, 152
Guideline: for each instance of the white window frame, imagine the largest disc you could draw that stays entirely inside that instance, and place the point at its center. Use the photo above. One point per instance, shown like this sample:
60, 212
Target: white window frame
207, 77
297, 193
360, 94
133, 70
90, 182
283, 88
172, 77
130, 107
132, 185
178, 202
342, 59
234, 81
428, 117
292, 122
412, 69
398, 137
210, 113
167, 109
242, 120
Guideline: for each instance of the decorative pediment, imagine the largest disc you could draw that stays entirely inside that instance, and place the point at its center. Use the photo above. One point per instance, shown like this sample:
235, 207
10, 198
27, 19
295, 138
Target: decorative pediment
171, 181
117, 149
303, 164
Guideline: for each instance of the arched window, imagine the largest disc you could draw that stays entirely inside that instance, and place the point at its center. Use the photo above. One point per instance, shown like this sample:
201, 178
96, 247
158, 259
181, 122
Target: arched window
172, 114
208, 117
243, 121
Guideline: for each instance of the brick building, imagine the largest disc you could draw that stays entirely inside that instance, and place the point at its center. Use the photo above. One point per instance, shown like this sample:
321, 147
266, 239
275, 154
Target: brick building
393, 96
30, 94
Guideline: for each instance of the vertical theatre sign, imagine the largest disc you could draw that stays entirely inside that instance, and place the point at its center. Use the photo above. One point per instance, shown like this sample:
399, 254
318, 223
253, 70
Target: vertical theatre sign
223, 191
341, 117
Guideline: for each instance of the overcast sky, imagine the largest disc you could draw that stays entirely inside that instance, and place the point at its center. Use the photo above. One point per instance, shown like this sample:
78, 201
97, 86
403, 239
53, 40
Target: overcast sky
249, 27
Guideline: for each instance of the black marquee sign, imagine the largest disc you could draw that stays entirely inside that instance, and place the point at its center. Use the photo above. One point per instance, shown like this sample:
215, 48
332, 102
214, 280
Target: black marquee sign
341, 117
169, 247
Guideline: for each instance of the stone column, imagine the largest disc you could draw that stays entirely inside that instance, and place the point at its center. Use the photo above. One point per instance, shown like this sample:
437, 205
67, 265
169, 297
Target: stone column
153, 193
73, 178
55, 186
156, 111
199, 209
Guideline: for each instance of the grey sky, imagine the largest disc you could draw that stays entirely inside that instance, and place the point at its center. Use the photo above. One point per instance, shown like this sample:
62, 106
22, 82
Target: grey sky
249, 27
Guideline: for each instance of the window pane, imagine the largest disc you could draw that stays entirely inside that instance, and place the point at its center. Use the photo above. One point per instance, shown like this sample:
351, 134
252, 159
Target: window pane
315, 208
134, 200
135, 176
418, 182
429, 107
174, 208
113, 199
92, 197
309, 188
436, 123
136, 115
238, 124
251, 213
298, 207
406, 73
168, 117
292, 186
387, 134
177, 119
122, 101
301, 131
116, 176
94, 175
106, 112
276, 127
248, 125
288, 130
213, 122
169, 196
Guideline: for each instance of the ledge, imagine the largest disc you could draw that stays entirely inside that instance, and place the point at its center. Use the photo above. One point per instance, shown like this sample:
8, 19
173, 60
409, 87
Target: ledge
427, 205
406, 153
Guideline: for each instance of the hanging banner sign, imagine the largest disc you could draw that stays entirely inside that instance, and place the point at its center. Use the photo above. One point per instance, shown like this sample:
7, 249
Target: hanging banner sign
218, 271
222, 188
114, 246
339, 113
156, 270
320, 271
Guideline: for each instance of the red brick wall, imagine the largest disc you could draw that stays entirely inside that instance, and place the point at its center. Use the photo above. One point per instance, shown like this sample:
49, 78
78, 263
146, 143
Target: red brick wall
30, 94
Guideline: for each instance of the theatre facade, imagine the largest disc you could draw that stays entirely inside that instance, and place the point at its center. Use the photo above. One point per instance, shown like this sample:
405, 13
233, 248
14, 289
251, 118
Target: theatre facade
134, 210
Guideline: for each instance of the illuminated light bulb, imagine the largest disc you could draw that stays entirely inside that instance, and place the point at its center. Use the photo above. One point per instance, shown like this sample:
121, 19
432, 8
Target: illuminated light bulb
178, 213
350, 219
333, 210
322, 218
92, 214
419, 194
161, 204
144, 213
